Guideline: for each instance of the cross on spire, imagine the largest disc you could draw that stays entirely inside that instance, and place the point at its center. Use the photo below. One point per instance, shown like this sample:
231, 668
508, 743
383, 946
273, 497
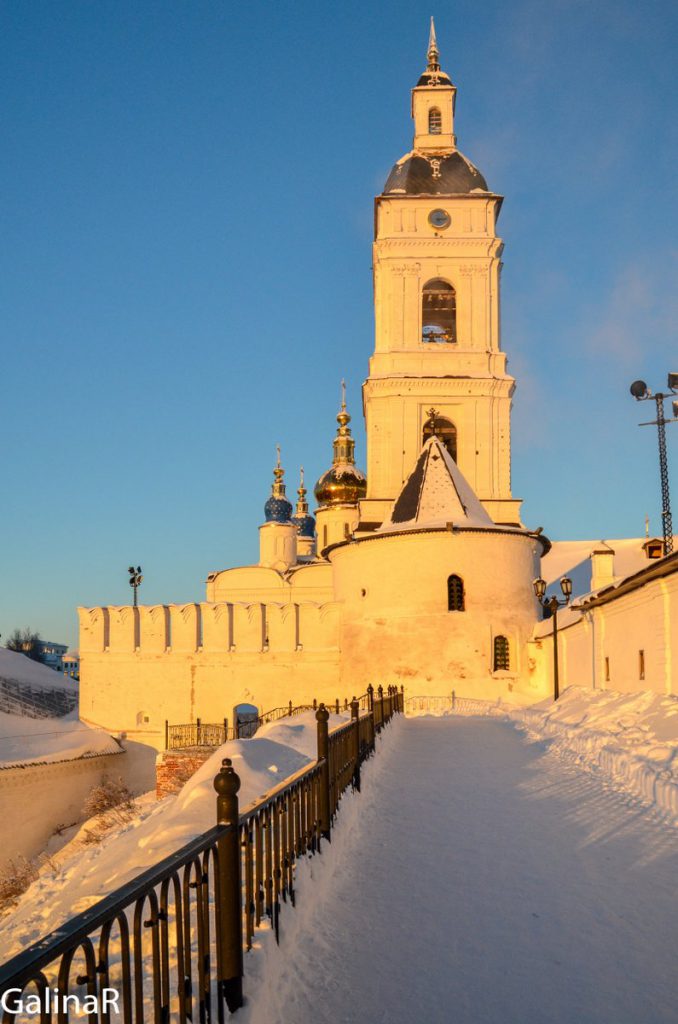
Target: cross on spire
433, 54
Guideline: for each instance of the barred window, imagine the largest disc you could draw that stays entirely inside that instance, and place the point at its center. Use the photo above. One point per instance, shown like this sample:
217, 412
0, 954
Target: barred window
455, 594
435, 121
502, 658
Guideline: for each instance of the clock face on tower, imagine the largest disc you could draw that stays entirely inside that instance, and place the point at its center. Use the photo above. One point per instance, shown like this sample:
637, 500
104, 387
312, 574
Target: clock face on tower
439, 219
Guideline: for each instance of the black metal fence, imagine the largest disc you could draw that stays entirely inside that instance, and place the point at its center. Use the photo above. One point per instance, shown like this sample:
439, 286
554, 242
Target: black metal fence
212, 735
169, 945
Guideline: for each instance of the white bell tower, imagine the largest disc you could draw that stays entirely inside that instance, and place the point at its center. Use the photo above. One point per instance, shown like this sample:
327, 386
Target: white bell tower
437, 263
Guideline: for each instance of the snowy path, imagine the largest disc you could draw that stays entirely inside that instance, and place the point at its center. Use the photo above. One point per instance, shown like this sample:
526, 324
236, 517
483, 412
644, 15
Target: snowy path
484, 881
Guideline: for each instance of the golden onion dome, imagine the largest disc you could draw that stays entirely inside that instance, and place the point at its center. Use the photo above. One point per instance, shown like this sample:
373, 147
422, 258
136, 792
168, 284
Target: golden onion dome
343, 483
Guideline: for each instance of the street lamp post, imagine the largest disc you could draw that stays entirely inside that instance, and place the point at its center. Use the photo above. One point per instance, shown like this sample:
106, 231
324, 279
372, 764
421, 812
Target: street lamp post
135, 581
553, 604
642, 393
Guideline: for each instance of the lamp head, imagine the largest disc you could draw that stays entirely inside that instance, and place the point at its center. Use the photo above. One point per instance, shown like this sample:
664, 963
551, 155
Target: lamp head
639, 389
539, 587
673, 381
566, 587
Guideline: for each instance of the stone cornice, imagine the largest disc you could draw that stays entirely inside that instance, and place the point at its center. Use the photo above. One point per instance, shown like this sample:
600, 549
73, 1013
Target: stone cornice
489, 246
452, 385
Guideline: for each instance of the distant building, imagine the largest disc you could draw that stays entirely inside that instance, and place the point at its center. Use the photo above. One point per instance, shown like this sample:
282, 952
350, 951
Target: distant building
51, 654
71, 665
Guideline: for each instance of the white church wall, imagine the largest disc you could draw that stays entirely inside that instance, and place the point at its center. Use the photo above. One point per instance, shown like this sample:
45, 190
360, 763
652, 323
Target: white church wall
602, 647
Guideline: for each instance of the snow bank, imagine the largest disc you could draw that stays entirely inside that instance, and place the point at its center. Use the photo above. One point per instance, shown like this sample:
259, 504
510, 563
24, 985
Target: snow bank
26, 740
17, 668
630, 739
86, 873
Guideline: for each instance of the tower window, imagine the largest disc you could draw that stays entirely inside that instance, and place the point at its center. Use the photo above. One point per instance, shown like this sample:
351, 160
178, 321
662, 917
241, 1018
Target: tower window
455, 594
502, 660
435, 121
438, 312
445, 430
641, 664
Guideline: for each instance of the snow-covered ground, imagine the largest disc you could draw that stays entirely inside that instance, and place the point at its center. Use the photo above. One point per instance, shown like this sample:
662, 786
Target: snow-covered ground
629, 739
26, 740
481, 879
481, 876
17, 668
85, 873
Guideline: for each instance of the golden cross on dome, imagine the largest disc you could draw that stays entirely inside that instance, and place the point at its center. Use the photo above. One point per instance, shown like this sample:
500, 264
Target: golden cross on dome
343, 394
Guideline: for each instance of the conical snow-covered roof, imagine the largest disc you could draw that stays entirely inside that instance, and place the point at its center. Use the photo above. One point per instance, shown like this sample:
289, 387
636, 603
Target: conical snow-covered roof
436, 494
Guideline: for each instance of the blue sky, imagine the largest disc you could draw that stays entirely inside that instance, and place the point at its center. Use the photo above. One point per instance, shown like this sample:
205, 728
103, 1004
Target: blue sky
185, 274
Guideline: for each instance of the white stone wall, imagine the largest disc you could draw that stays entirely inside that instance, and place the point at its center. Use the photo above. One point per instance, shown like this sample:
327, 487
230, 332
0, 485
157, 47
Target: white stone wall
396, 627
37, 799
645, 620
142, 666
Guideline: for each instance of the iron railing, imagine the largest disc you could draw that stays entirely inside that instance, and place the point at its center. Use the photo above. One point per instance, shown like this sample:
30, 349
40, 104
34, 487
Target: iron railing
173, 938
449, 704
212, 735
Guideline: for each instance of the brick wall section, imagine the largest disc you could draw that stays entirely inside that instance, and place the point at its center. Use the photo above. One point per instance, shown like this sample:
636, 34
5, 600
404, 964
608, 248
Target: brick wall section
173, 768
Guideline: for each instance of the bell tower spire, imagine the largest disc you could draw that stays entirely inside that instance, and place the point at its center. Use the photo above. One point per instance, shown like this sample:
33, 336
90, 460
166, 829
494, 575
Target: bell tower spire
433, 100
433, 55
437, 264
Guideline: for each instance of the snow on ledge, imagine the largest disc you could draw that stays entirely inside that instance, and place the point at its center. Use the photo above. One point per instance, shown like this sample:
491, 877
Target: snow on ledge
29, 741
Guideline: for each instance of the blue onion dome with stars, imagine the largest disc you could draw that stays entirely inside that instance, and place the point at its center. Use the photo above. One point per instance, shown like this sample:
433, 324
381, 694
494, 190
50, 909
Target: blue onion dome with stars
304, 522
278, 509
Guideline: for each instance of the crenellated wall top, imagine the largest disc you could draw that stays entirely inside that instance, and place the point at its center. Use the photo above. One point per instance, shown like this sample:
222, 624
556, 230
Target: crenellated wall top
209, 627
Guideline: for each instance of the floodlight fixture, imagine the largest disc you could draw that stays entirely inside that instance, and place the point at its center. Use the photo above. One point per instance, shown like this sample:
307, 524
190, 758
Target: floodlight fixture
639, 390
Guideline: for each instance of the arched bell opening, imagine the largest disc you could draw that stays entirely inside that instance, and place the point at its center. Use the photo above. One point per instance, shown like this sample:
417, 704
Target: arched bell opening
438, 312
445, 430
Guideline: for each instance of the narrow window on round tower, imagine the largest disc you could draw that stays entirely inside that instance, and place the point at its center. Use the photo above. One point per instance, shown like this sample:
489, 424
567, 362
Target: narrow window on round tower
502, 656
435, 121
455, 594
438, 312
445, 430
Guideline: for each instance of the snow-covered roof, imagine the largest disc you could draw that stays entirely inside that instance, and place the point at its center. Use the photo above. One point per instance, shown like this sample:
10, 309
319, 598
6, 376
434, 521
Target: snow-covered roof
25, 741
573, 558
19, 668
436, 494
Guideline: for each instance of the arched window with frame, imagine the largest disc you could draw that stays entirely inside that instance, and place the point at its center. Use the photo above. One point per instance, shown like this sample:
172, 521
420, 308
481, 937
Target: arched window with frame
445, 430
501, 661
435, 122
455, 594
438, 312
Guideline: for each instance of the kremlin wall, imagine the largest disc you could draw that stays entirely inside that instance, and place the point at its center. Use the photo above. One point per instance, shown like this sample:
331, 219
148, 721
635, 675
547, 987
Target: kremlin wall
419, 573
